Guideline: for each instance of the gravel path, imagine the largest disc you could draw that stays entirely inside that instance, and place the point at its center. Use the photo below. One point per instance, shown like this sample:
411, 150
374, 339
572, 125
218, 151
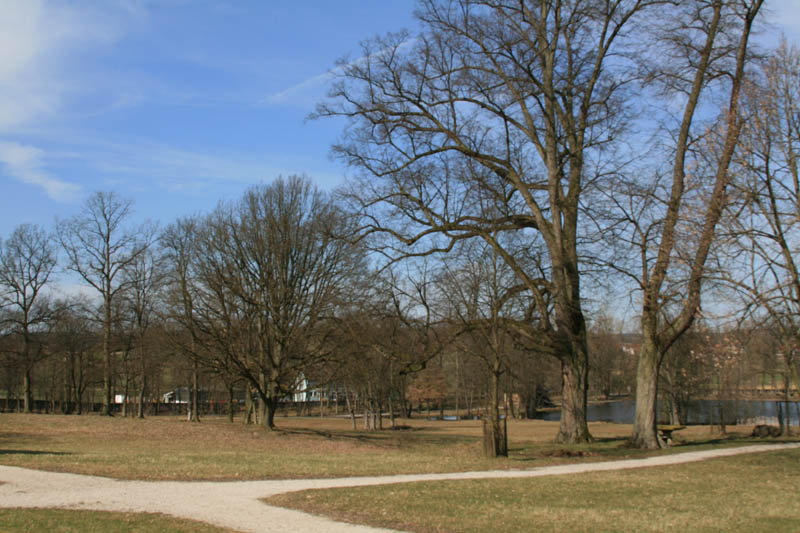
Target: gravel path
236, 504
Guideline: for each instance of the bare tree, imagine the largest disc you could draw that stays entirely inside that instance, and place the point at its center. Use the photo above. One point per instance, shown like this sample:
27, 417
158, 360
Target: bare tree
144, 278
483, 298
27, 262
99, 246
270, 271
764, 222
180, 246
671, 219
75, 339
495, 119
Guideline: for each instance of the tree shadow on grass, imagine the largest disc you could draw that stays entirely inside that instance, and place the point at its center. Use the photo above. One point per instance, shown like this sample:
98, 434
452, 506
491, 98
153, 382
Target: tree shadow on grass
600, 440
386, 437
366, 437
32, 452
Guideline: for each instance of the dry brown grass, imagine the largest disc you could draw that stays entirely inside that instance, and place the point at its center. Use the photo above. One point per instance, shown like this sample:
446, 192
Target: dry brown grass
169, 448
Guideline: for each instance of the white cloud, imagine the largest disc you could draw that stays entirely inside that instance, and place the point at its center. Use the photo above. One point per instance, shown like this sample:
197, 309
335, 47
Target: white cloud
18, 36
25, 163
38, 39
41, 43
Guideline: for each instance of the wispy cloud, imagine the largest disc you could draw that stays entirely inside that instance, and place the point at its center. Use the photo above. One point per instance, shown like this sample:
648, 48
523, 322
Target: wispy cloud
132, 164
302, 89
309, 89
25, 163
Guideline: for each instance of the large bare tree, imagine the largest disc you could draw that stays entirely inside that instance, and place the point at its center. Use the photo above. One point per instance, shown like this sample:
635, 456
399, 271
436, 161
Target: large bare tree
27, 262
670, 214
99, 245
270, 271
495, 119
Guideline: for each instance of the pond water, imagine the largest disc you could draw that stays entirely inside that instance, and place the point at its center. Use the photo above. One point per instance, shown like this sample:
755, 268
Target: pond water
698, 412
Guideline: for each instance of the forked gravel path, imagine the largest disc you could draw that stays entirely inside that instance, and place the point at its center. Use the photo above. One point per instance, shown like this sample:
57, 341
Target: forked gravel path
236, 505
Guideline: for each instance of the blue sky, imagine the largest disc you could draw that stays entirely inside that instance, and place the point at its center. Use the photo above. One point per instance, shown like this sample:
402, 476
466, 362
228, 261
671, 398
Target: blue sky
173, 103
176, 103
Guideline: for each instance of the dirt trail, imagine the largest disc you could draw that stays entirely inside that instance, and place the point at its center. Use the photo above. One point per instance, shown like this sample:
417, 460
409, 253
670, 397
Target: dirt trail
236, 505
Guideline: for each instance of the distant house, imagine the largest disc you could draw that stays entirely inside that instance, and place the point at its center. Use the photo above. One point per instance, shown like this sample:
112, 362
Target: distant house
306, 390
182, 395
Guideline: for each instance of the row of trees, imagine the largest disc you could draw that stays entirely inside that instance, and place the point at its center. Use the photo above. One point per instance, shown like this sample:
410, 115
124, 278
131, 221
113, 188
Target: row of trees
376, 358
241, 290
435, 335
262, 292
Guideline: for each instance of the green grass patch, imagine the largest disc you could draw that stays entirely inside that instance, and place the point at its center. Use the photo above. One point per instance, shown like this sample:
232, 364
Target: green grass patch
755, 492
170, 448
63, 521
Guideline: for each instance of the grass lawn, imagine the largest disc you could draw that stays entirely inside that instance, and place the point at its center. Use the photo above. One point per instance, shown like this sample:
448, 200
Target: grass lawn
755, 492
745, 493
169, 448
63, 521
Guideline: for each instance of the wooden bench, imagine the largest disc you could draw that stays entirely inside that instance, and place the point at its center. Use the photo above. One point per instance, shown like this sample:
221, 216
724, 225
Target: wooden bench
665, 432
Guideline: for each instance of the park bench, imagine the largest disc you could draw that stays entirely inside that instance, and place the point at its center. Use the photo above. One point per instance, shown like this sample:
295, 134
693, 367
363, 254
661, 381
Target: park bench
665, 432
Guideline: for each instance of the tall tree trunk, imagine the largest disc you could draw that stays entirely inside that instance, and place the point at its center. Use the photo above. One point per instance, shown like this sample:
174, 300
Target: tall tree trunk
458, 387
140, 406
107, 355
574, 390
67, 408
249, 406
571, 342
231, 407
269, 416
645, 433
77, 384
142, 378
27, 390
495, 439
194, 413
391, 410
675, 416
270, 401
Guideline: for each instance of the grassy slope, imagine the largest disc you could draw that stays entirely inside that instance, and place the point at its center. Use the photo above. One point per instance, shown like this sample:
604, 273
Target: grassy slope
745, 493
